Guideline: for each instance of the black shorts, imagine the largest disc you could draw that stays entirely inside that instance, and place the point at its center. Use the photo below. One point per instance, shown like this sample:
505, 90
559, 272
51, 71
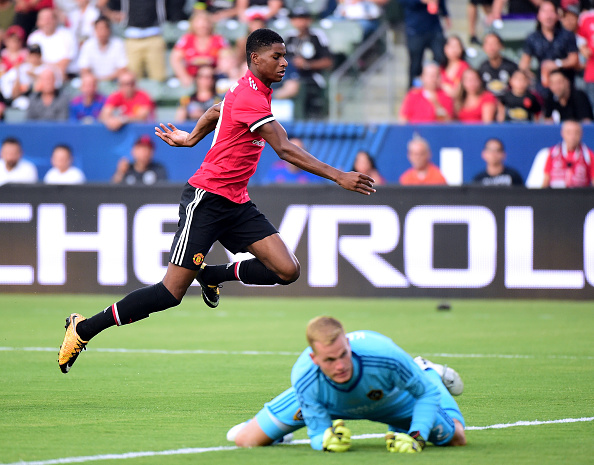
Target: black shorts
481, 2
205, 218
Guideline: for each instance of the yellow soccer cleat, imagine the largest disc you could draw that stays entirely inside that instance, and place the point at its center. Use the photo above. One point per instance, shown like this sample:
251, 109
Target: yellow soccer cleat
73, 345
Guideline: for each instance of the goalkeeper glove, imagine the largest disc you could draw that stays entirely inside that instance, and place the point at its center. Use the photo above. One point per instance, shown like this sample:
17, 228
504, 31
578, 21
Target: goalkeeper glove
405, 443
337, 438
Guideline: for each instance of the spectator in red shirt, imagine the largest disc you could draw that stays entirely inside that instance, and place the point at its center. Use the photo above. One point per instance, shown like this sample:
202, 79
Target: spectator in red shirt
128, 104
422, 171
570, 162
13, 53
586, 30
429, 103
475, 104
455, 65
200, 47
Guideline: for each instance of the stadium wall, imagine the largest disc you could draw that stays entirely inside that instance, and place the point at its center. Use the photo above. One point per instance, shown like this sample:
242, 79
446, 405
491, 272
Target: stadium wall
414, 242
455, 147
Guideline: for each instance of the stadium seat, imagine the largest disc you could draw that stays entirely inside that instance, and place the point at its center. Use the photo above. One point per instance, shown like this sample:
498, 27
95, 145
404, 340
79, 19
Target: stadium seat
14, 115
165, 114
315, 6
231, 30
343, 35
172, 91
282, 26
152, 87
173, 31
107, 87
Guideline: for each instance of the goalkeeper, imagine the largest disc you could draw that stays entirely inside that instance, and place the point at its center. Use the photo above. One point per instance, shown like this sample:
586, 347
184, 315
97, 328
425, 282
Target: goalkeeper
361, 375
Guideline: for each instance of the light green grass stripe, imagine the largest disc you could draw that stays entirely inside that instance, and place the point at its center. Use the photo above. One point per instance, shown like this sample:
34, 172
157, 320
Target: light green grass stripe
201, 450
260, 352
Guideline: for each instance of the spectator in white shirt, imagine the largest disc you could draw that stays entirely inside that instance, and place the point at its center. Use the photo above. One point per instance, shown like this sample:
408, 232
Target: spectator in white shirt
62, 171
58, 45
103, 55
13, 168
81, 20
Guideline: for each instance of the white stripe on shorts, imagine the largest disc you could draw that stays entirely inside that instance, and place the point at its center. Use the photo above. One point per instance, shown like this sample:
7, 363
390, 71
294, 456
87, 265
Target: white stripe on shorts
180, 248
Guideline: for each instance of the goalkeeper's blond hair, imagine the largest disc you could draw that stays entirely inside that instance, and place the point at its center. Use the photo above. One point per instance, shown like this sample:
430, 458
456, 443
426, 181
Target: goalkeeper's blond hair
323, 329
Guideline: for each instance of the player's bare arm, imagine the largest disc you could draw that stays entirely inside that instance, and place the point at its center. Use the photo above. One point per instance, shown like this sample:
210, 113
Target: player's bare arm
179, 138
276, 136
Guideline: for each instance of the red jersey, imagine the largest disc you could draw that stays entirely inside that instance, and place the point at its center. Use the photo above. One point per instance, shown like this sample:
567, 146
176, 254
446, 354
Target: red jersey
196, 57
417, 108
586, 30
457, 78
8, 62
130, 107
475, 114
570, 169
236, 146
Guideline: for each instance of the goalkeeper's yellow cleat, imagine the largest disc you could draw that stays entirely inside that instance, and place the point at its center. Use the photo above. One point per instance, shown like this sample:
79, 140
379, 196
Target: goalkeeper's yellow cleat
73, 345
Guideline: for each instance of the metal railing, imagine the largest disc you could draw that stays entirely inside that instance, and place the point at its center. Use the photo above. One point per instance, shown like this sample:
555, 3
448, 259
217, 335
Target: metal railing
345, 82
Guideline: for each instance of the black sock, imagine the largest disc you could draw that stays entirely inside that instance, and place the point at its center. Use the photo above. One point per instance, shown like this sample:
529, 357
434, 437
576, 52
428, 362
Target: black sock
254, 272
217, 274
134, 307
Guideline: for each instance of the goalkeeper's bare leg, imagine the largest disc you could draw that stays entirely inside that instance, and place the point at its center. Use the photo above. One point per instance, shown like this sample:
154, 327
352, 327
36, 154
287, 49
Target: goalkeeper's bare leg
459, 438
251, 435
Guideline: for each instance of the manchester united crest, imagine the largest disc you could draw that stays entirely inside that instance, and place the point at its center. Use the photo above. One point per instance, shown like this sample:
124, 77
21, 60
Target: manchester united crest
198, 259
375, 394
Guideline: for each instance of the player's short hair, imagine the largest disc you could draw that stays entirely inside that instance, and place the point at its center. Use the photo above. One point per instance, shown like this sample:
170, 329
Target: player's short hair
63, 147
324, 329
561, 72
103, 19
12, 140
494, 34
417, 138
497, 141
259, 39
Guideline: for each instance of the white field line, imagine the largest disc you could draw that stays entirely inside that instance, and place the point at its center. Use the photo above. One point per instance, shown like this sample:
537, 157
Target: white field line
201, 450
284, 353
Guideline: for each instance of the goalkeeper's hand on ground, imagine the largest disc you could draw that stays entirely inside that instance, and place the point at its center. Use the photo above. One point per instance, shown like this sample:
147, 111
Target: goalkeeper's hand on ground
405, 443
337, 438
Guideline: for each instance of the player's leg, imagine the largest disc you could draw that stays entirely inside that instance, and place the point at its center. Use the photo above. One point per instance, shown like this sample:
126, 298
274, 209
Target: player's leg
252, 232
459, 438
448, 429
140, 303
273, 424
274, 254
136, 306
415, 44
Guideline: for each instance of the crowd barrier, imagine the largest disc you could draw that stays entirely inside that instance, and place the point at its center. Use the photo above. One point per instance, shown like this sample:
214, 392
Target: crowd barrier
400, 242
456, 147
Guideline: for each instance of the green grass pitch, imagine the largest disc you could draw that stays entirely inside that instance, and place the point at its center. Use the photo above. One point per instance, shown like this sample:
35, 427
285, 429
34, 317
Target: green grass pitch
520, 361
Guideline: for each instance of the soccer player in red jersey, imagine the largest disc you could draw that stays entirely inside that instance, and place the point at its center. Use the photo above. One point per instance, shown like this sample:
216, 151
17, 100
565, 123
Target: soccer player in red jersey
215, 205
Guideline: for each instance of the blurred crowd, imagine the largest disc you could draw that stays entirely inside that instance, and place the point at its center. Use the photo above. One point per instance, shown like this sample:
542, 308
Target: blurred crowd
552, 79
115, 62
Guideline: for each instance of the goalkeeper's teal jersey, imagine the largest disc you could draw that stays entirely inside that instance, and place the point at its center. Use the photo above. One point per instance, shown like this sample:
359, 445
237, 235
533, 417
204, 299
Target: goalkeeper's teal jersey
387, 386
